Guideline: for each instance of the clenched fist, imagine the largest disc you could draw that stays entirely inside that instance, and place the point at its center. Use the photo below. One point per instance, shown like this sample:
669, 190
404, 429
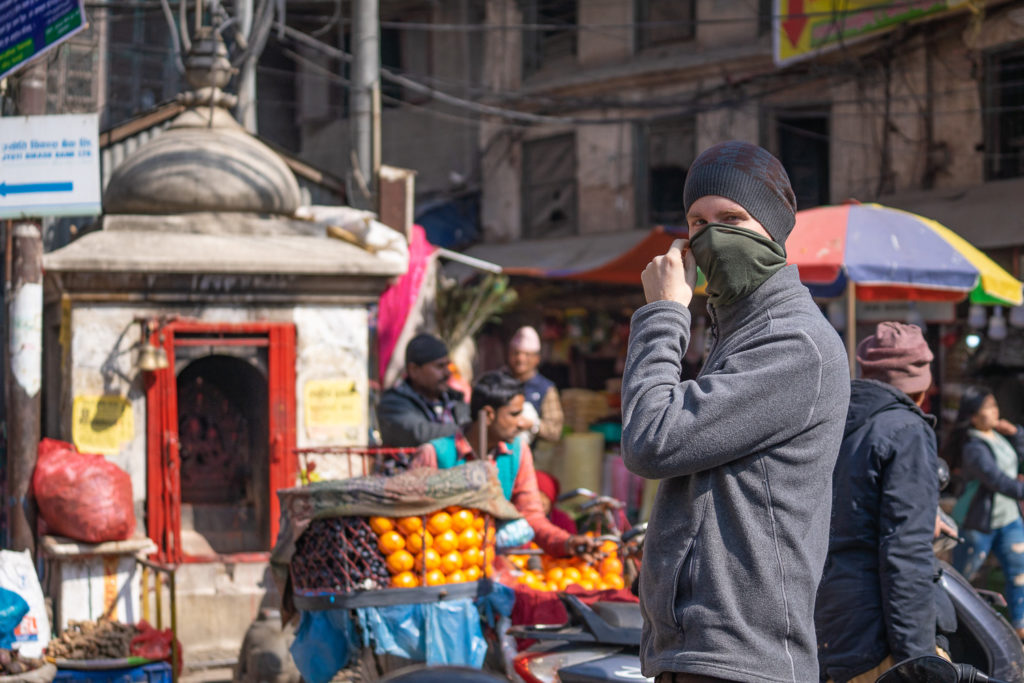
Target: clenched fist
672, 276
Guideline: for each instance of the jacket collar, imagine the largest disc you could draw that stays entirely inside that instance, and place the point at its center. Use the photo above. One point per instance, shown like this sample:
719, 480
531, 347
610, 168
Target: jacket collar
783, 286
449, 395
883, 396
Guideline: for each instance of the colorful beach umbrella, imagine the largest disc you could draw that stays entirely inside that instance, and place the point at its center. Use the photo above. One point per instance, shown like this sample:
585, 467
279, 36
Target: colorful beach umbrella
890, 254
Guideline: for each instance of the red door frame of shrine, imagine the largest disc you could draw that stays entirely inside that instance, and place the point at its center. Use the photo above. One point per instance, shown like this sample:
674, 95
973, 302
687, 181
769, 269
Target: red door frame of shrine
163, 471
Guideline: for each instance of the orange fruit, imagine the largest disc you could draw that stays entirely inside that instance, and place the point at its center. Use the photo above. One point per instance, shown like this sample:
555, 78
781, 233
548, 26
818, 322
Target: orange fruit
418, 541
472, 557
554, 575
469, 538
409, 525
428, 559
565, 583
404, 580
572, 573
381, 525
400, 561
390, 542
613, 581
611, 565
586, 585
552, 585
479, 523
452, 509
463, 519
609, 547
488, 556
489, 536
451, 562
472, 573
518, 561
446, 542
588, 573
439, 523
457, 576
435, 578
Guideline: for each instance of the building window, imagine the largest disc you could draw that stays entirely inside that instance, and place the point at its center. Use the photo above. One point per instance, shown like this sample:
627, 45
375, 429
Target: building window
553, 43
1003, 99
801, 137
549, 187
662, 22
142, 72
664, 151
765, 16
407, 52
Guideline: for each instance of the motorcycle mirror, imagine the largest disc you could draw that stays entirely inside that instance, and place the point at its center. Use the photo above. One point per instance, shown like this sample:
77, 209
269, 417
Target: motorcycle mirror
943, 474
575, 492
925, 669
634, 532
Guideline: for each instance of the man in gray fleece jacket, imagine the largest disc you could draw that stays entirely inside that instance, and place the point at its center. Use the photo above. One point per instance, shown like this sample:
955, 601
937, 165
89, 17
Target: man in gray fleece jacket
739, 529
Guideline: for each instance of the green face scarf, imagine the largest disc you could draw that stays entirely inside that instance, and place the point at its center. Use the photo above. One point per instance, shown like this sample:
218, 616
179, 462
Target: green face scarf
735, 261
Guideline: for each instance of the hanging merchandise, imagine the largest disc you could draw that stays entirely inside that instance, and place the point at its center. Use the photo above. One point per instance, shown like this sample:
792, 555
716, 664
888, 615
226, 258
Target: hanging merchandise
1017, 317
976, 316
997, 325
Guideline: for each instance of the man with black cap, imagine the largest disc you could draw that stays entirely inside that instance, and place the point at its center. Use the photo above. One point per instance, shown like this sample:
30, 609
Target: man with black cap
744, 453
422, 406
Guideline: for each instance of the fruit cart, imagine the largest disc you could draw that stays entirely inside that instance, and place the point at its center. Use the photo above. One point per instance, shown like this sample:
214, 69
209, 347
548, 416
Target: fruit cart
399, 565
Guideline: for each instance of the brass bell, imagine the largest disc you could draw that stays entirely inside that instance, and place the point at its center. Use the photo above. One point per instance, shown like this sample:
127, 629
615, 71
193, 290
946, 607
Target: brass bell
152, 358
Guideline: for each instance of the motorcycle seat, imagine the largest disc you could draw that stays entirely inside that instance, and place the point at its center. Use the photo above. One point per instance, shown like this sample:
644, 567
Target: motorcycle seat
619, 614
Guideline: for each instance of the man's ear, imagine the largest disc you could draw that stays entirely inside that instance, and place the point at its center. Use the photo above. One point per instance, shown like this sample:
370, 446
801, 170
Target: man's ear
490, 414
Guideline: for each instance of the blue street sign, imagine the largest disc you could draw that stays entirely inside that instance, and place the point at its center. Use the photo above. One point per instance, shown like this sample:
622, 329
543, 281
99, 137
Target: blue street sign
30, 27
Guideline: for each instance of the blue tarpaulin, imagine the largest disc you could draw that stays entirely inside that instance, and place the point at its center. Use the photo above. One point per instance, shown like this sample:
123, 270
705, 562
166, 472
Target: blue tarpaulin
447, 632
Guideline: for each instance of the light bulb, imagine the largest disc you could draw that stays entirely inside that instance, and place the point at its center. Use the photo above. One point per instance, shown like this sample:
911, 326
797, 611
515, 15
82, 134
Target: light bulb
1017, 316
997, 325
976, 316
972, 341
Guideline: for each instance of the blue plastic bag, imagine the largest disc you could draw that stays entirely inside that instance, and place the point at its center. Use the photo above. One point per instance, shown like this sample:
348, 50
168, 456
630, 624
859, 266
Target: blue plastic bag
323, 643
13, 609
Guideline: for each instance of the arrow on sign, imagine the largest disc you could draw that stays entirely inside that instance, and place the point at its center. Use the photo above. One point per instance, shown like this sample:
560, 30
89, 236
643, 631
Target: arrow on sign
28, 188
795, 21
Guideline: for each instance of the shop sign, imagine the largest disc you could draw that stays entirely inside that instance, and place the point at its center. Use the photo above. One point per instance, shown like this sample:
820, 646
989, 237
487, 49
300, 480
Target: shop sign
805, 28
102, 424
49, 165
31, 27
332, 407
930, 311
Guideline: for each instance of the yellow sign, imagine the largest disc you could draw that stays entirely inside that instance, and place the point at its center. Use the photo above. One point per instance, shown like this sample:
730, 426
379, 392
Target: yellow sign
102, 424
803, 28
331, 406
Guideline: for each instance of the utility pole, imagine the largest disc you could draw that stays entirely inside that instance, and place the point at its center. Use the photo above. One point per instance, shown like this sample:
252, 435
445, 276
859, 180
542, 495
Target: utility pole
364, 104
247, 77
24, 342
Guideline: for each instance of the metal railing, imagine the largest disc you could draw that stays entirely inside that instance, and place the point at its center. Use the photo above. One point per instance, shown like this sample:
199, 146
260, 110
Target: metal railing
155, 578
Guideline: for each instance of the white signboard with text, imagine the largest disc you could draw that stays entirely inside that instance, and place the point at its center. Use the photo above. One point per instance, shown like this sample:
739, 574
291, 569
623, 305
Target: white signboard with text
49, 166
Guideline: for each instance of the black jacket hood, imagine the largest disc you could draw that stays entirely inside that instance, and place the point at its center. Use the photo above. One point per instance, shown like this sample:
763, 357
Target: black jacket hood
868, 397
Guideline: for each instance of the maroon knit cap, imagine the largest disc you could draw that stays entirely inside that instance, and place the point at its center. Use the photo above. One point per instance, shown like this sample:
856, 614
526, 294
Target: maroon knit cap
898, 355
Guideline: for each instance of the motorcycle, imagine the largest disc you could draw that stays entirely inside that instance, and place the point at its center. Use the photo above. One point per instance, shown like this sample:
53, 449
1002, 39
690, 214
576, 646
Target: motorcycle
933, 669
601, 642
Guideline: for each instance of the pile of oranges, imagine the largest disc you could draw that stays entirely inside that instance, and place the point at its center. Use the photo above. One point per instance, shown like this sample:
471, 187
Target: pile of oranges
558, 573
448, 546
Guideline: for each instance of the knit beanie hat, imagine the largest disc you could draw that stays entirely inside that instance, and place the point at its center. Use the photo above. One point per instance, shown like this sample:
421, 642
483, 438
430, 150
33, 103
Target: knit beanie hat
525, 339
749, 176
898, 355
425, 348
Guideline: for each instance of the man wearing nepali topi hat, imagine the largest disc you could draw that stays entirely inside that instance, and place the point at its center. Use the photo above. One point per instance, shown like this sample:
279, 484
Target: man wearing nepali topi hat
543, 409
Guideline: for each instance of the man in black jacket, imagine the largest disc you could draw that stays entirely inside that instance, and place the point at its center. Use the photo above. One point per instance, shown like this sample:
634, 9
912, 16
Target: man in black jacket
422, 406
876, 603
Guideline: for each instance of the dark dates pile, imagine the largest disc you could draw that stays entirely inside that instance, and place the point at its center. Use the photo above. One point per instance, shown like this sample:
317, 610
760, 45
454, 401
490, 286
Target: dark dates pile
338, 555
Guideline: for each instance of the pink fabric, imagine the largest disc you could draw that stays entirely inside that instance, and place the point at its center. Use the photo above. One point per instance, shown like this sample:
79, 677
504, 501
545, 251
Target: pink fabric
898, 355
525, 339
398, 299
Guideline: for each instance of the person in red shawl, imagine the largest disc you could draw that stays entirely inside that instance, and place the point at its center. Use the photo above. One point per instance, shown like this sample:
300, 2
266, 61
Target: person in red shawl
549, 488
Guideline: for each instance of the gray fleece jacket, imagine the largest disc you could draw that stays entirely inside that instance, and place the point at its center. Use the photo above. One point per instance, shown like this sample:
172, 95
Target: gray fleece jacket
739, 528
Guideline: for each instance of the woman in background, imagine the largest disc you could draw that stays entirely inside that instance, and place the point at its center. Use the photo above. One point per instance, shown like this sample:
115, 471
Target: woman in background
986, 451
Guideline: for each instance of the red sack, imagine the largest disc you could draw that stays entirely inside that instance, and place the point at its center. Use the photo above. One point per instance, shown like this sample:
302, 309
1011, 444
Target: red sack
153, 644
82, 496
